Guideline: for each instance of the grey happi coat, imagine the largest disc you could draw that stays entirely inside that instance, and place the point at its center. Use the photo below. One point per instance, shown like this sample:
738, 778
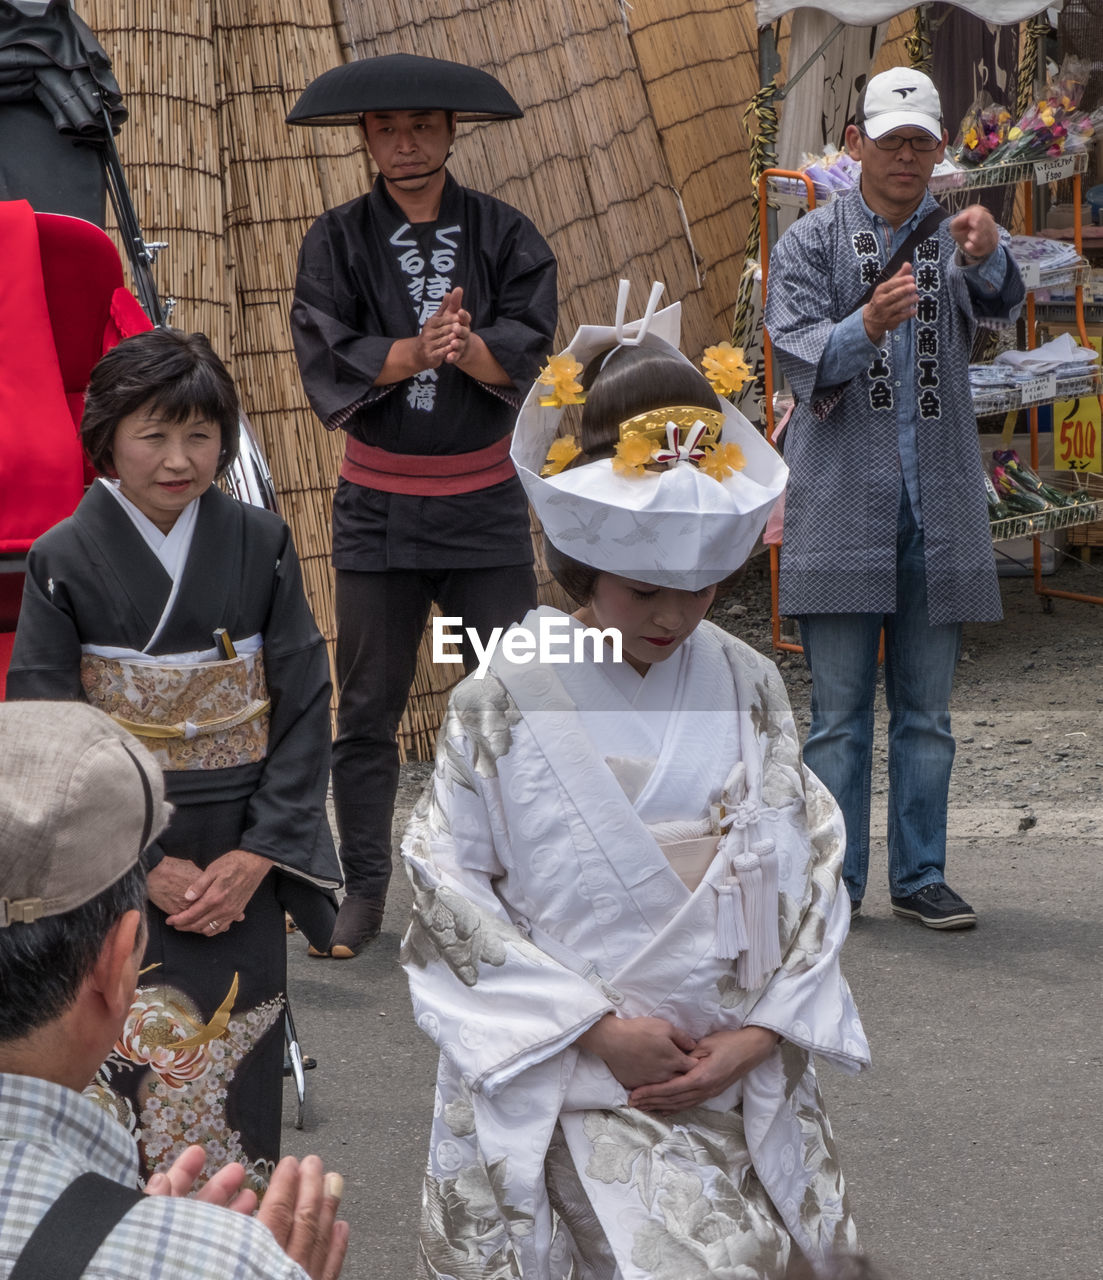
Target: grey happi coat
839, 553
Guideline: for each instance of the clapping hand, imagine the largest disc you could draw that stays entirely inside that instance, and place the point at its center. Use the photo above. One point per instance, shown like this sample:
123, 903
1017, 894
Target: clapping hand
894, 301
444, 336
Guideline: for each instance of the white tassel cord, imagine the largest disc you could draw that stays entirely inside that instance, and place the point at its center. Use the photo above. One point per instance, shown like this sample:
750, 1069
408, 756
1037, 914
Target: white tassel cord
757, 871
731, 929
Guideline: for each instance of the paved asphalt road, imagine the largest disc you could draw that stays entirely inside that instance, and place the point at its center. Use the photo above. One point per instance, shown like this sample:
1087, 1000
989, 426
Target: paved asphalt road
972, 1148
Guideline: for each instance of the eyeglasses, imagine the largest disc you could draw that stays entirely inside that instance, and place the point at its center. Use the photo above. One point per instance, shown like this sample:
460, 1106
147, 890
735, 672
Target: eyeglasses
894, 141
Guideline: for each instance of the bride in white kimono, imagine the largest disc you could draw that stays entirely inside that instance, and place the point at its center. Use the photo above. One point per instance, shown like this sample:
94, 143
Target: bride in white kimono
626, 927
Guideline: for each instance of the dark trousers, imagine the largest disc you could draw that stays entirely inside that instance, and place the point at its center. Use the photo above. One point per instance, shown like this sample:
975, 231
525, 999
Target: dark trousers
380, 621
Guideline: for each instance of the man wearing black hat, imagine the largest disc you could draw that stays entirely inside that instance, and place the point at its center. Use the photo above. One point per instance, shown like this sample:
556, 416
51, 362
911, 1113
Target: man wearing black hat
422, 313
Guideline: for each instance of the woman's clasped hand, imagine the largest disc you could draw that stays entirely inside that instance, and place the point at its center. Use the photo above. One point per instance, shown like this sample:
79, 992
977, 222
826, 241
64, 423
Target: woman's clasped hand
665, 1069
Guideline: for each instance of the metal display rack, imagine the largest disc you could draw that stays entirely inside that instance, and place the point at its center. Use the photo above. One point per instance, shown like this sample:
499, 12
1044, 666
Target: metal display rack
1065, 312
1066, 279
1051, 277
1035, 172
1038, 177
1031, 526
785, 183
992, 400
986, 401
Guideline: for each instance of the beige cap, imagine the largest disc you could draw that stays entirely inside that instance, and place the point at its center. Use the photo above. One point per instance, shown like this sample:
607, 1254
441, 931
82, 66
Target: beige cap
80, 799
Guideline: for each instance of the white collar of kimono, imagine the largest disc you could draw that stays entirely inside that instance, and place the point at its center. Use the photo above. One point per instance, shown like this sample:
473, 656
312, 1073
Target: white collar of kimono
676, 713
171, 548
674, 528
605, 691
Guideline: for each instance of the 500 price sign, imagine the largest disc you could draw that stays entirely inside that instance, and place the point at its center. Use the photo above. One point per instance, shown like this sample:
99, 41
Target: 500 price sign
1077, 439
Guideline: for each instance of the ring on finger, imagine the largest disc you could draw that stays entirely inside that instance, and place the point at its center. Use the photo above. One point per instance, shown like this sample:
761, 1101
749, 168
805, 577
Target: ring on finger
213, 925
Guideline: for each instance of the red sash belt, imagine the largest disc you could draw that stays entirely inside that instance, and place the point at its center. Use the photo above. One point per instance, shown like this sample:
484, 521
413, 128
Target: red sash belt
427, 475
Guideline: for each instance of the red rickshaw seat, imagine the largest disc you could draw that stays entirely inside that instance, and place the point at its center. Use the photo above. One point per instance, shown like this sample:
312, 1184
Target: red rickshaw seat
63, 305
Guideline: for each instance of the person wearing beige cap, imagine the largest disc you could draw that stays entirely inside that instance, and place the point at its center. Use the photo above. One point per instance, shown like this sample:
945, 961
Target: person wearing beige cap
80, 800
872, 305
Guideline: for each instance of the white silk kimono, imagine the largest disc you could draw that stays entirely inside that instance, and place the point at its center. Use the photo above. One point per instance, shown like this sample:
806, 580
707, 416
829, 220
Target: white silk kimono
537, 827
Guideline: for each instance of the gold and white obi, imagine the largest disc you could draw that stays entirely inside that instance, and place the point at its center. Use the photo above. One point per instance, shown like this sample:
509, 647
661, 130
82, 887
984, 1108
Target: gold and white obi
190, 712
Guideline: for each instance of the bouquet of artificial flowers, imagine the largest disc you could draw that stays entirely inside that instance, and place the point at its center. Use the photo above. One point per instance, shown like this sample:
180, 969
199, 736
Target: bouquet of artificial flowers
982, 132
1054, 125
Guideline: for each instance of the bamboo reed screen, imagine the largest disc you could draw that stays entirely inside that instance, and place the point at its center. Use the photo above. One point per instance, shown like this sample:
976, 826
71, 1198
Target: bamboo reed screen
631, 159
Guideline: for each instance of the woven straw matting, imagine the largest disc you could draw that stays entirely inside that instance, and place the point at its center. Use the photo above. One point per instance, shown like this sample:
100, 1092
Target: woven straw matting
631, 159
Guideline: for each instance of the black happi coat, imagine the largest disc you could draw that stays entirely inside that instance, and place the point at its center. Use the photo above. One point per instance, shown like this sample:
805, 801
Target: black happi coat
93, 580
354, 296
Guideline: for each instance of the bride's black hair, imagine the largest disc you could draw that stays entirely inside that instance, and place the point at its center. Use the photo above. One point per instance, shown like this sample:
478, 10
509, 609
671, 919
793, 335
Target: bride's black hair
629, 381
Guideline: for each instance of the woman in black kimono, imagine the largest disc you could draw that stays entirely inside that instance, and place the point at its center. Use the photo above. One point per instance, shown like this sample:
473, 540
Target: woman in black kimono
181, 613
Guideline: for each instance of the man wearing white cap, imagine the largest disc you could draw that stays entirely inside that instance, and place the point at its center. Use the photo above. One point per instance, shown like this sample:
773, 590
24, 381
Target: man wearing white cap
79, 802
872, 305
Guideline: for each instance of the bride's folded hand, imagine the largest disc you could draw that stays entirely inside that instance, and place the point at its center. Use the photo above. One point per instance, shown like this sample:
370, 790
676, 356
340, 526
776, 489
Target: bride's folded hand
720, 1059
639, 1051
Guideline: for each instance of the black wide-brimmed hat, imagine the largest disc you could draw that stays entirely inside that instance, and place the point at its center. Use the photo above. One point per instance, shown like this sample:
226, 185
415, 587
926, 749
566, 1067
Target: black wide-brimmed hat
402, 82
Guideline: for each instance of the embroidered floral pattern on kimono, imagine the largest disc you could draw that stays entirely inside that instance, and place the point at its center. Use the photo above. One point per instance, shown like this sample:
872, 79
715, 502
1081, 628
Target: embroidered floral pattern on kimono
182, 1097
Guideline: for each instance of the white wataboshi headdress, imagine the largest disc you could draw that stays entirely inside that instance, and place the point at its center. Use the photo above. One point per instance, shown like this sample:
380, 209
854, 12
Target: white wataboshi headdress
675, 526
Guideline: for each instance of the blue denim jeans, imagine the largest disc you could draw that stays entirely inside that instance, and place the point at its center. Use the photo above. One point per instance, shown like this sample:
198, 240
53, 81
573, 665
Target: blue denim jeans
841, 651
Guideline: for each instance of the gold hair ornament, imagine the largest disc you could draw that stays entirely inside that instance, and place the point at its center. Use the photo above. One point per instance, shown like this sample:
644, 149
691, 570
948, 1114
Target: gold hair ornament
678, 433
726, 368
563, 450
561, 374
653, 424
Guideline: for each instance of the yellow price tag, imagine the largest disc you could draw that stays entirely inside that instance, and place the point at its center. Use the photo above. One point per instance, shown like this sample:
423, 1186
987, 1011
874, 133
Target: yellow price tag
1078, 428
1077, 435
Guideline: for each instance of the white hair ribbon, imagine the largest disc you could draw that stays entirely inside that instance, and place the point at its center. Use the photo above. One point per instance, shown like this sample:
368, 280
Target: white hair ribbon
687, 452
642, 326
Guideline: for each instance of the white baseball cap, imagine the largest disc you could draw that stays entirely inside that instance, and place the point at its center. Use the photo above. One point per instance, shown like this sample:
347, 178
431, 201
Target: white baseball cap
900, 99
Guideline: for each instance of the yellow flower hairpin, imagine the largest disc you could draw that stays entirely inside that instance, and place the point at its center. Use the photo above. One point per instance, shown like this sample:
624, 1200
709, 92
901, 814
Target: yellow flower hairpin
722, 460
632, 454
563, 450
561, 374
726, 369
